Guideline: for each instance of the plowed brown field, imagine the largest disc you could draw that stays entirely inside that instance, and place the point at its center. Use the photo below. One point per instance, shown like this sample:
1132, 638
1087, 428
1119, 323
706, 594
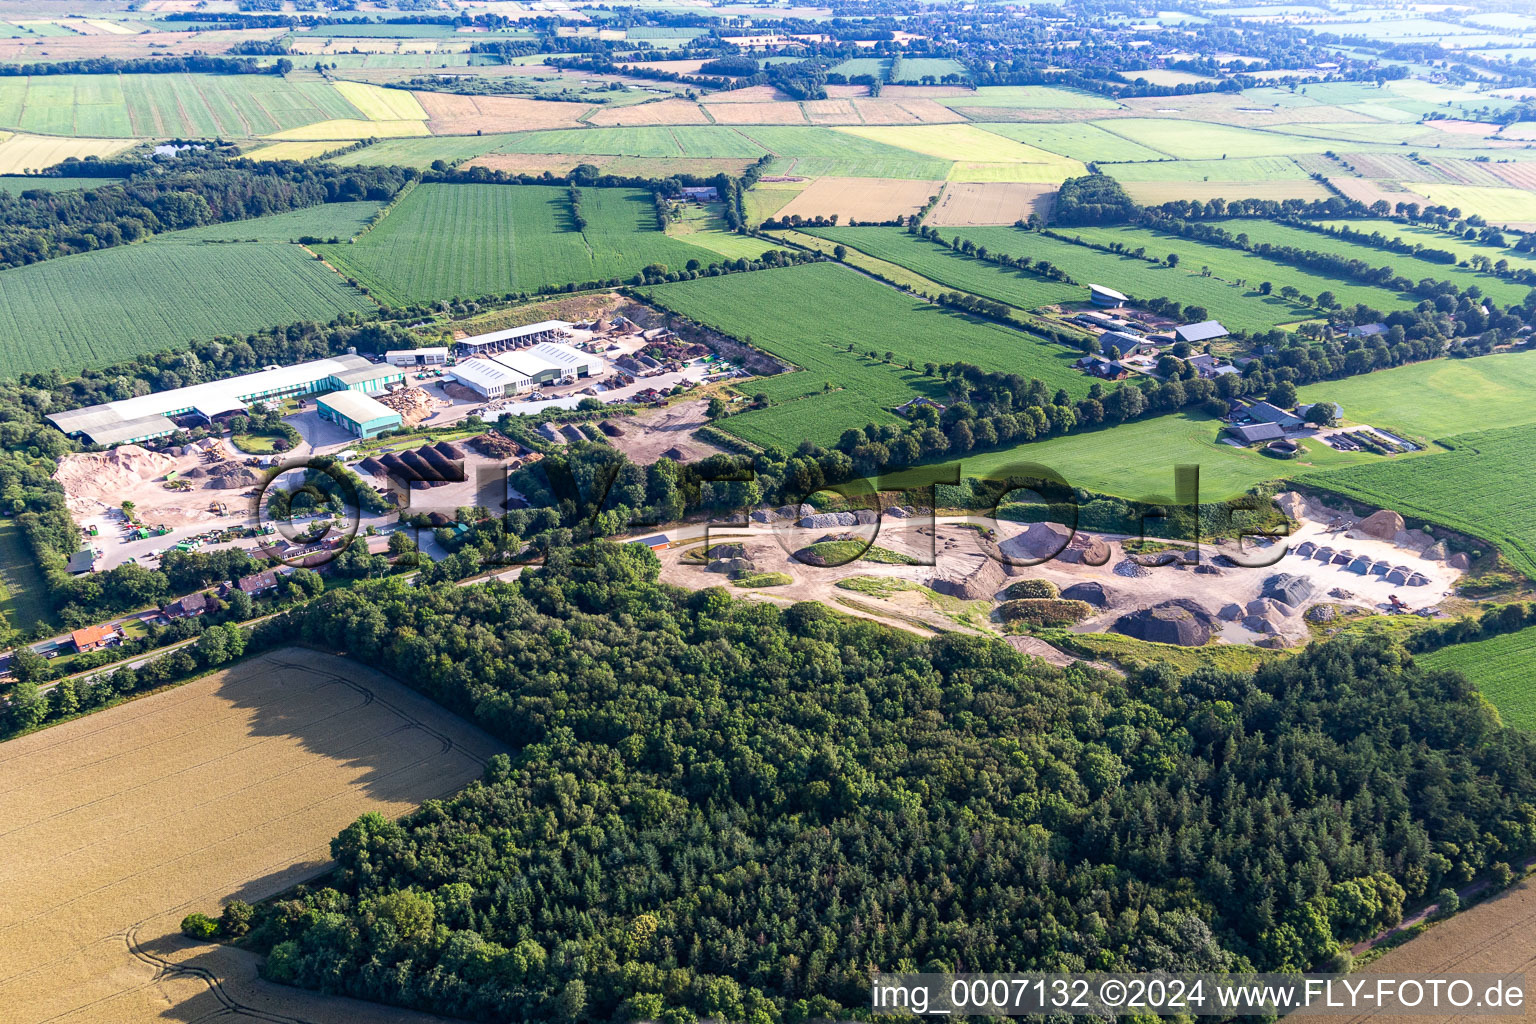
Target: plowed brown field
115, 826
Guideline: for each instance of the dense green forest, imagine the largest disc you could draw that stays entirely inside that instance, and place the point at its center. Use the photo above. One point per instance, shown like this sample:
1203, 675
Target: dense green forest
726, 808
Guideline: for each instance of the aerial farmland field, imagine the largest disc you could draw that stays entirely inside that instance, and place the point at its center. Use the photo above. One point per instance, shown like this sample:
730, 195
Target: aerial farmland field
957, 270
1429, 238
231, 784
1500, 667
808, 316
1261, 231
980, 155
1234, 264
1481, 487
1077, 140
1241, 169
21, 153
1236, 307
447, 240
1438, 397
1031, 97
96, 308
1136, 460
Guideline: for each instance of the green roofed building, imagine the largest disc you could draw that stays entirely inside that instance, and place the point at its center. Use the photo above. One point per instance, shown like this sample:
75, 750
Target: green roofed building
363, 416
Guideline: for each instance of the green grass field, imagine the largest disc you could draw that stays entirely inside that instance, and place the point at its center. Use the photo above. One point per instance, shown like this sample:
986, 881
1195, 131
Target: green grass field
1481, 488
1218, 141
1439, 397
1076, 139
1137, 460
1031, 97
172, 105
443, 241
99, 307
953, 269
806, 151
1236, 307
914, 69
875, 67
1234, 265
23, 602
340, 220
15, 184
1259, 231
1430, 238
1247, 169
809, 315
705, 140
1501, 668
420, 152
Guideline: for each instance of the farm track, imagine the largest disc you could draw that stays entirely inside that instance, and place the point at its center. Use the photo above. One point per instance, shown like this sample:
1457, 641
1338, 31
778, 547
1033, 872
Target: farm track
119, 823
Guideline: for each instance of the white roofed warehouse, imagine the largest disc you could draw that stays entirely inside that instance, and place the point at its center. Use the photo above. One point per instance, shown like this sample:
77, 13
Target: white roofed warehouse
489, 378
513, 337
144, 417
363, 416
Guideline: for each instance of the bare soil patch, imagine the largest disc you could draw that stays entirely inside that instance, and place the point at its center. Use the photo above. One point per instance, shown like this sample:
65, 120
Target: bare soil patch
1368, 192
862, 199
751, 94
1522, 175
910, 110
649, 434
115, 826
449, 114
770, 112
967, 204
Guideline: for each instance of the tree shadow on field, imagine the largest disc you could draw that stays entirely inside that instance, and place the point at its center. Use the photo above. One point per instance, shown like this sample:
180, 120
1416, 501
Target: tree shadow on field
398, 747
216, 982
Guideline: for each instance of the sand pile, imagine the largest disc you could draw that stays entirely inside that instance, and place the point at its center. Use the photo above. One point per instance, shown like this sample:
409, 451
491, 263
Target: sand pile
104, 476
1383, 525
232, 476
1180, 621
1038, 541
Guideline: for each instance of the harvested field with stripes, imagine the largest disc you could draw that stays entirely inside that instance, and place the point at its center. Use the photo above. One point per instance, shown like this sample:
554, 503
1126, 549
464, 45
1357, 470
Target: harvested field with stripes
861, 199
118, 824
995, 202
450, 114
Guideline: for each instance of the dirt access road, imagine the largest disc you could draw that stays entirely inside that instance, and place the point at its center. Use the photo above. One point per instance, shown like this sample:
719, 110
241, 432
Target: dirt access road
1495, 936
116, 825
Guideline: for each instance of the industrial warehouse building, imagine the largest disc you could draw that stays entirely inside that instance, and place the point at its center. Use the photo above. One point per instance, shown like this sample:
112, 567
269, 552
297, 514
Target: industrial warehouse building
355, 411
489, 378
417, 356
515, 337
142, 418
507, 373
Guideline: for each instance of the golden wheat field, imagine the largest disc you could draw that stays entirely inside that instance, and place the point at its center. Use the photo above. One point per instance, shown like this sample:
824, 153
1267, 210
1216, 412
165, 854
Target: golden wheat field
1492, 937
116, 825
862, 199
993, 202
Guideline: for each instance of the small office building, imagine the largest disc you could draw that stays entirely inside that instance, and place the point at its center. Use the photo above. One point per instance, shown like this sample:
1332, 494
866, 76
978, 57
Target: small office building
356, 412
417, 357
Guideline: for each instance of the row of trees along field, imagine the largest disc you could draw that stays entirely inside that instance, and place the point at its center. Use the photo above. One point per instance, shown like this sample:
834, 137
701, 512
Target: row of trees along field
205, 187
724, 808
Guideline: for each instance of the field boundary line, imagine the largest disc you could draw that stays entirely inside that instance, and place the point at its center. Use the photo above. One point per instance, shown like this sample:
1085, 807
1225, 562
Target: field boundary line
1125, 138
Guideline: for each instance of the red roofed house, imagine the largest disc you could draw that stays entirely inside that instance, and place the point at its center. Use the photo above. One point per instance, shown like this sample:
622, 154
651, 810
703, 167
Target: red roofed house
92, 637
